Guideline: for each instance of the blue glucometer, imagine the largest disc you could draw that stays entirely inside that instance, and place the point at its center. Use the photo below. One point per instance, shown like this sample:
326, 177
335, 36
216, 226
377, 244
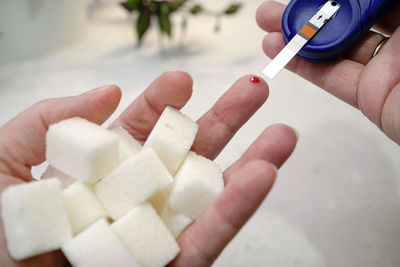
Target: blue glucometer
349, 24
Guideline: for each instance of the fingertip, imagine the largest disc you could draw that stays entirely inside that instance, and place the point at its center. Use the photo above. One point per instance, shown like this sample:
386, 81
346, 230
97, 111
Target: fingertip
105, 92
188, 78
113, 91
269, 16
260, 15
275, 145
284, 132
246, 93
114, 88
105, 98
296, 132
177, 86
255, 79
105, 88
181, 80
259, 89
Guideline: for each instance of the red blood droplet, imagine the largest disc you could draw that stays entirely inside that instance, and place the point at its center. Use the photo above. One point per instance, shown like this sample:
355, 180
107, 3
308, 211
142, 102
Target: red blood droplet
254, 79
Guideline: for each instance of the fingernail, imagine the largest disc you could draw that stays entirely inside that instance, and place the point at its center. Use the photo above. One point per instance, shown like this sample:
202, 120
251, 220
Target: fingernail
99, 89
297, 133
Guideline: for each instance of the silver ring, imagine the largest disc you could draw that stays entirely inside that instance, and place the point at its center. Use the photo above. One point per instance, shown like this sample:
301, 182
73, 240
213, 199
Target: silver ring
379, 46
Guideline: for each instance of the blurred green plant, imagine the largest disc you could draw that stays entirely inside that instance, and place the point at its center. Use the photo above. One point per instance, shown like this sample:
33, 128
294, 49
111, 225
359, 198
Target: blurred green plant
162, 10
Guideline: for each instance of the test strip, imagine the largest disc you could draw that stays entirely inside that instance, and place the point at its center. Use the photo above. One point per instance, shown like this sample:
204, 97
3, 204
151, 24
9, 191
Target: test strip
301, 38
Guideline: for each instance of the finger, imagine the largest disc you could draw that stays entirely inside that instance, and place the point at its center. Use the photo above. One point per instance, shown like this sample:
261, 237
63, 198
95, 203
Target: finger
23, 138
390, 22
391, 115
380, 77
362, 51
269, 16
274, 145
229, 113
170, 89
339, 77
206, 238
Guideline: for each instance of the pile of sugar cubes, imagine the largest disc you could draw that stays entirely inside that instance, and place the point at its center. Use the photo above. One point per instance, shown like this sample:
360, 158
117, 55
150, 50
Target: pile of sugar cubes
107, 201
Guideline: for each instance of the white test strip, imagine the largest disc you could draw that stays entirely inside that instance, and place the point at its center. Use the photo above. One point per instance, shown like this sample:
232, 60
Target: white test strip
301, 38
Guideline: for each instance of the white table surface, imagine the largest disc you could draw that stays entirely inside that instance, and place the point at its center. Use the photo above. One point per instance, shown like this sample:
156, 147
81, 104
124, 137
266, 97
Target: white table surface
336, 201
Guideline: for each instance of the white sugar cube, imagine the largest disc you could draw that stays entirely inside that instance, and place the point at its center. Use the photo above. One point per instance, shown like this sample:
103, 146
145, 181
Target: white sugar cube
83, 207
197, 185
174, 221
127, 144
52, 172
98, 246
134, 181
145, 235
34, 217
172, 137
82, 149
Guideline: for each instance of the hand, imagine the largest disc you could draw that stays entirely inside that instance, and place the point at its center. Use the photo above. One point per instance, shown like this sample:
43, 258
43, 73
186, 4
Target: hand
372, 85
247, 181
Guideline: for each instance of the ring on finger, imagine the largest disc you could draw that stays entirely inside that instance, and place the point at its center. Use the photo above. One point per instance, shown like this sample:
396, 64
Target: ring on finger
380, 46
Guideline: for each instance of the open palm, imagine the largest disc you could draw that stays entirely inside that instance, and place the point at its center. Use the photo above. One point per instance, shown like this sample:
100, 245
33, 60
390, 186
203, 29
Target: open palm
247, 181
372, 85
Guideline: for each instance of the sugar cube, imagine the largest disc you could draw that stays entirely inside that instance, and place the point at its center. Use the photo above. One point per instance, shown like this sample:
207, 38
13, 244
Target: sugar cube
82, 149
197, 185
83, 207
126, 143
34, 217
133, 182
52, 172
172, 137
146, 236
174, 221
98, 246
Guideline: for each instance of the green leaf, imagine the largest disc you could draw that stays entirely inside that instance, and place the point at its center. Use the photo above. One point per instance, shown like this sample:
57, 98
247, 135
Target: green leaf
232, 9
175, 5
165, 24
154, 6
131, 5
196, 9
164, 9
142, 24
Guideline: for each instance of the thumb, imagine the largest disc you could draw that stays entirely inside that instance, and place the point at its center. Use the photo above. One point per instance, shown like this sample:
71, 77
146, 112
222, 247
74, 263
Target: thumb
22, 140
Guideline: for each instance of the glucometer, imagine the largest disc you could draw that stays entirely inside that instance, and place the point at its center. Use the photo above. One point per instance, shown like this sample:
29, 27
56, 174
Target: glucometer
349, 24
318, 30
